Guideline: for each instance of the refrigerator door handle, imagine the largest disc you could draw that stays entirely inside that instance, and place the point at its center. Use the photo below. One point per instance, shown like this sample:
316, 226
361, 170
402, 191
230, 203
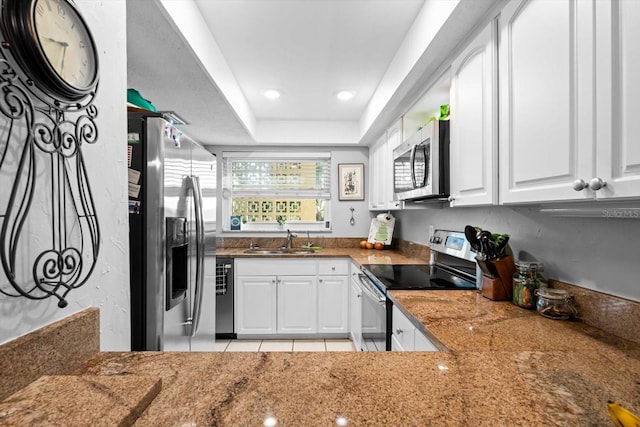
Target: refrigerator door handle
194, 184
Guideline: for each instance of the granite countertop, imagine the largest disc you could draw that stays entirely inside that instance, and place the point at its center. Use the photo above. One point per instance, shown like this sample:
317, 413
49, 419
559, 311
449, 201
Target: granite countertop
504, 366
358, 255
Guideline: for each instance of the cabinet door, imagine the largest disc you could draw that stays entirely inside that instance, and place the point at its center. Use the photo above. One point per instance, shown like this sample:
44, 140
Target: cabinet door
403, 330
376, 180
297, 304
355, 312
618, 86
547, 117
394, 139
333, 304
256, 304
474, 149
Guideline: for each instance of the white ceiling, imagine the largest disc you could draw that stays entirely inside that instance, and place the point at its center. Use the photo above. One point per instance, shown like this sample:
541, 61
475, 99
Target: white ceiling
309, 50
210, 60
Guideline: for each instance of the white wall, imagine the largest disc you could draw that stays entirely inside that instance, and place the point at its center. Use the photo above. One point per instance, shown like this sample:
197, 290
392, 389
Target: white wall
340, 213
596, 253
106, 161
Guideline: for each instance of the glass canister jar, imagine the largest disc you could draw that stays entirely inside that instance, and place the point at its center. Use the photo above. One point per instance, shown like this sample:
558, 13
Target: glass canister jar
555, 303
526, 281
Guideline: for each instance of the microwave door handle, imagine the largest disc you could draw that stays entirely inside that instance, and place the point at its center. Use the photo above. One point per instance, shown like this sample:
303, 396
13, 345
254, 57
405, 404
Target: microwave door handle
425, 175
412, 162
197, 299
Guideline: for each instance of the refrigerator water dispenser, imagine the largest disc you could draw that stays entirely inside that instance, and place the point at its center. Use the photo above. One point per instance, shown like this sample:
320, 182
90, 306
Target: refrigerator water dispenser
177, 261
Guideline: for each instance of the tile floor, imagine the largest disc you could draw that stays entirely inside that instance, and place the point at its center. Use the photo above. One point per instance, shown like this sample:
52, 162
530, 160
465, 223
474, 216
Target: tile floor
285, 345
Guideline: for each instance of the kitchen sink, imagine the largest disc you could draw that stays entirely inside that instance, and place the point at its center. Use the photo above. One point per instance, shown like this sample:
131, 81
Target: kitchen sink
281, 251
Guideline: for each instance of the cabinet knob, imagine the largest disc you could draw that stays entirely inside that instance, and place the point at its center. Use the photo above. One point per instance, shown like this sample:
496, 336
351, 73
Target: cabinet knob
451, 199
399, 331
358, 296
319, 280
579, 185
597, 183
333, 269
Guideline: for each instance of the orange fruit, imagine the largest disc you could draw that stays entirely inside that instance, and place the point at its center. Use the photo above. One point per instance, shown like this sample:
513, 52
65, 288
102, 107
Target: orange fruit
379, 246
363, 244
369, 245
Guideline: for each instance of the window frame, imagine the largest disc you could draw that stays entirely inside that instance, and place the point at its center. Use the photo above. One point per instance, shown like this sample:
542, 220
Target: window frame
278, 156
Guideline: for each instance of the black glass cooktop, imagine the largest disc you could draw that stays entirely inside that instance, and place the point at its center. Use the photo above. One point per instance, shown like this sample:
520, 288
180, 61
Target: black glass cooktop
416, 276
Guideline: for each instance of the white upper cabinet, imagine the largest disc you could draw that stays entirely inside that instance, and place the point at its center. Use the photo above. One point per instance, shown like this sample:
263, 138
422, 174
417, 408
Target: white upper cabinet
394, 139
547, 116
618, 98
381, 196
474, 146
568, 100
378, 182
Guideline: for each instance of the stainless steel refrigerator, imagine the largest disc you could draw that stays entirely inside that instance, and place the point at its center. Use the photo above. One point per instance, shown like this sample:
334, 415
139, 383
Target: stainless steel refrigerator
172, 207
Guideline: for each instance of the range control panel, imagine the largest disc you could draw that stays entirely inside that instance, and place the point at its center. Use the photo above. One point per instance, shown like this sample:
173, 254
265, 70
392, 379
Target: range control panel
452, 243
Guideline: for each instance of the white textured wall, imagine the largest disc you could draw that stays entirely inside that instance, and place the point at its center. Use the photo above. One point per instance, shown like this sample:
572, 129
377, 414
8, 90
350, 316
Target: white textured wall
596, 253
108, 288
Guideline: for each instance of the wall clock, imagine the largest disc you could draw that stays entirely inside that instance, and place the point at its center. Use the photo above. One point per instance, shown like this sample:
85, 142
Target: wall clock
53, 45
49, 234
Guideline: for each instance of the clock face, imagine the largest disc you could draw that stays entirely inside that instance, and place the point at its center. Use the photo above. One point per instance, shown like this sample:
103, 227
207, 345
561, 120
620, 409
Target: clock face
65, 42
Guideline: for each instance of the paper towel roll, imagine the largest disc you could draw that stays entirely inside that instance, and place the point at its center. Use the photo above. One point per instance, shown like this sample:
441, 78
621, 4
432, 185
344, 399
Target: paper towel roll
386, 217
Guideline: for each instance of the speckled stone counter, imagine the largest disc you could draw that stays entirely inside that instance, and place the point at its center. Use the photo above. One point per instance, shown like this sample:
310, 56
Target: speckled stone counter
504, 366
360, 256
473, 388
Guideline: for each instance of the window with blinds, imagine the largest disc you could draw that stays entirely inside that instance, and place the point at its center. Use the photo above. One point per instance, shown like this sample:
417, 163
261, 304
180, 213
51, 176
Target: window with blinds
276, 190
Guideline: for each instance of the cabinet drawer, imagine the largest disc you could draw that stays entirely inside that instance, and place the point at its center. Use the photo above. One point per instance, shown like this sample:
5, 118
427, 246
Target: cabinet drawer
275, 267
328, 267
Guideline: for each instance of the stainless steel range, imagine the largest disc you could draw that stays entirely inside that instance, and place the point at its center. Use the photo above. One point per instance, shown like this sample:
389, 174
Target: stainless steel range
452, 266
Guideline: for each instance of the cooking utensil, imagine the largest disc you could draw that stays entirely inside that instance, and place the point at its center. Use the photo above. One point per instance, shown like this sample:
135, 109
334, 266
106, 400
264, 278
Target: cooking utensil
488, 246
472, 237
352, 221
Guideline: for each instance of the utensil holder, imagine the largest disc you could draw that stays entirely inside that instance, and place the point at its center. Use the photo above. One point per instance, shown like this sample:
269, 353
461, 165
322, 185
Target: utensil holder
500, 288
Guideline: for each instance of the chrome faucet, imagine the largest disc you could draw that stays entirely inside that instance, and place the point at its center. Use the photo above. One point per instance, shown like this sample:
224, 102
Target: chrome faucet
290, 236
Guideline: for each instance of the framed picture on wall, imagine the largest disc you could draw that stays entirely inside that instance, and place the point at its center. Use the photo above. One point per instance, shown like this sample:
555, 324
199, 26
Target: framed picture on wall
351, 181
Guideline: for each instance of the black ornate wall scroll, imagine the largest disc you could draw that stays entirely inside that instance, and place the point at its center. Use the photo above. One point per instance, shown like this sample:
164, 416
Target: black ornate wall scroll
49, 235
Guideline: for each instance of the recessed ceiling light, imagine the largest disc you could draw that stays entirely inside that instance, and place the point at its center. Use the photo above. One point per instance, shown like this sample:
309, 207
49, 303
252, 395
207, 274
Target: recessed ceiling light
271, 93
345, 95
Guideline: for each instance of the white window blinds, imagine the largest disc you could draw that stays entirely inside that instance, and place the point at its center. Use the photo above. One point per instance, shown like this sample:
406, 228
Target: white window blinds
277, 174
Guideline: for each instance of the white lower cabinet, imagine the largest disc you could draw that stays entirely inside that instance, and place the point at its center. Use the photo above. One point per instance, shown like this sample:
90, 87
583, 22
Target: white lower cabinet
296, 304
333, 304
355, 309
333, 296
301, 297
405, 336
255, 304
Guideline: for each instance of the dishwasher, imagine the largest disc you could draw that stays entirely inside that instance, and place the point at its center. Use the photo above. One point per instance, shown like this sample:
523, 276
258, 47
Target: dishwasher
224, 299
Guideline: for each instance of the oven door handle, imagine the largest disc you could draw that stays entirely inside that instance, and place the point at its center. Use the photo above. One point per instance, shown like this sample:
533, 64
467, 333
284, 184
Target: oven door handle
366, 286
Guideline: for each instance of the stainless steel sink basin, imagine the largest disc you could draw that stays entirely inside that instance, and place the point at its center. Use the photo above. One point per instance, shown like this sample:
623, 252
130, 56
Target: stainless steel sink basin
282, 251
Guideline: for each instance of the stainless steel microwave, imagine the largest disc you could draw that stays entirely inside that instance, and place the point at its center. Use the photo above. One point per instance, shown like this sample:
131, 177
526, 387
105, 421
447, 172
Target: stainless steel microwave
421, 164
